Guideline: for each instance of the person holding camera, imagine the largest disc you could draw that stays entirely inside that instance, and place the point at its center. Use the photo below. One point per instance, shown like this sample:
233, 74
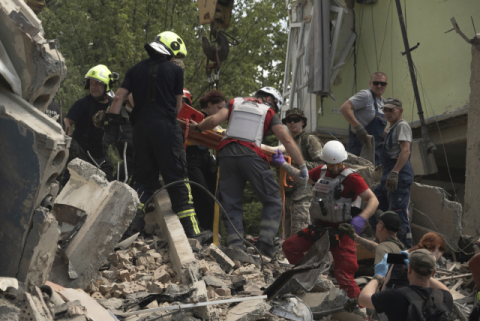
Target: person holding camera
424, 299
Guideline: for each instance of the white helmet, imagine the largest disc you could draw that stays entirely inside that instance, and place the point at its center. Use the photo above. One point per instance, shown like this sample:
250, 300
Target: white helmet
275, 93
333, 152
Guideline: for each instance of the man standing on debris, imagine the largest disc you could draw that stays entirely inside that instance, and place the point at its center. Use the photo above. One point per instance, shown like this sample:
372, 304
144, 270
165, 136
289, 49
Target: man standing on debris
297, 198
363, 111
86, 138
336, 191
425, 295
157, 88
202, 166
393, 192
241, 159
388, 224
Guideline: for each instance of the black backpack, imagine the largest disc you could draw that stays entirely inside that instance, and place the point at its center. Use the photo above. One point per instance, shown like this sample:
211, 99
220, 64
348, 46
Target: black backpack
430, 309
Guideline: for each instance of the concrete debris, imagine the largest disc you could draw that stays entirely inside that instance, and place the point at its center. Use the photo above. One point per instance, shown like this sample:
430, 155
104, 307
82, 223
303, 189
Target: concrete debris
225, 262
110, 207
37, 63
6, 283
249, 311
432, 211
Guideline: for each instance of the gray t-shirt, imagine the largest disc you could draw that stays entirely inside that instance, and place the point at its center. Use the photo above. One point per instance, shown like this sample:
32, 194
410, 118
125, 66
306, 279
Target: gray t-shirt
401, 133
364, 107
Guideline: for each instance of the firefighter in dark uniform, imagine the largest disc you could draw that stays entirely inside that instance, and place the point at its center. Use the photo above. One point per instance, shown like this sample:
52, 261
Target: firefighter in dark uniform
156, 85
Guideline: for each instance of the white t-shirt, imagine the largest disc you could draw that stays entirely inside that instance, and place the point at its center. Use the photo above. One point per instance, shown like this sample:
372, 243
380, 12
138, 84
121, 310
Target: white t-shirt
364, 107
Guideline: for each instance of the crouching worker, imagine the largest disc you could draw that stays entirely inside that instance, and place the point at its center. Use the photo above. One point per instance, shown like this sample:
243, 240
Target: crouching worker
424, 299
337, 189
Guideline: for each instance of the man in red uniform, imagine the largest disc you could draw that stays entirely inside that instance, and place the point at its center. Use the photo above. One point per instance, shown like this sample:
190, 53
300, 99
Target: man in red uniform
337, 195
241, 159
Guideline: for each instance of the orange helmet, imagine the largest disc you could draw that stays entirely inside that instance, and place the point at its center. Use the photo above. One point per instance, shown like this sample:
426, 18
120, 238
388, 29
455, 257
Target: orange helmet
187, 95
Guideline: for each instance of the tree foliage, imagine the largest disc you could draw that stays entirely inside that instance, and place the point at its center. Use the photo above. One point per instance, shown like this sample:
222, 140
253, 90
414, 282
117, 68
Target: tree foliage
113, 32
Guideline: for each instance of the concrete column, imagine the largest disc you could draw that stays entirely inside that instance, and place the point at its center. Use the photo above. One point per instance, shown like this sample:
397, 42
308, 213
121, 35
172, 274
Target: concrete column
471, 214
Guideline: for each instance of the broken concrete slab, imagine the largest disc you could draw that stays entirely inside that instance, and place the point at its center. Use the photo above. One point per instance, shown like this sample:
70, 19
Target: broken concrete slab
33, 153
321, 301
5, 283
36, 61
201, 295
95, 311
214, 282
364, 167
249, 311
433, 211
110, 207
224, 261
181, 253
237, 254
40, 248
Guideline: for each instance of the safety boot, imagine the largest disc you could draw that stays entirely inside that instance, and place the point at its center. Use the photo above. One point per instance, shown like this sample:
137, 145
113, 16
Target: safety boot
265, 249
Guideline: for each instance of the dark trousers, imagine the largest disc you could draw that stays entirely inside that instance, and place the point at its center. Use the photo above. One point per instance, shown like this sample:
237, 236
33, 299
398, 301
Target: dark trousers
159, 150
234, 174
202, 170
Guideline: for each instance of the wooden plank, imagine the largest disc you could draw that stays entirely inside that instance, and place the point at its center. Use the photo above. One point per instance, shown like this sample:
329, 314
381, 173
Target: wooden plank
94, 310
447, 278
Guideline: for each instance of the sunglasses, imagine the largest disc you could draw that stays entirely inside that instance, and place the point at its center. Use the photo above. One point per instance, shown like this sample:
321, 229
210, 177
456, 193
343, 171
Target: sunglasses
381, 83
294, 119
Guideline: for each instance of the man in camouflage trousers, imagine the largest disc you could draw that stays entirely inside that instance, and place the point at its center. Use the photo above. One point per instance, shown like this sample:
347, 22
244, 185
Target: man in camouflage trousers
298, 198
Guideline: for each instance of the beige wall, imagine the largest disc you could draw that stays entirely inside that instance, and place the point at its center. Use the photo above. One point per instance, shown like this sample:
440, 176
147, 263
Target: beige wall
443, 60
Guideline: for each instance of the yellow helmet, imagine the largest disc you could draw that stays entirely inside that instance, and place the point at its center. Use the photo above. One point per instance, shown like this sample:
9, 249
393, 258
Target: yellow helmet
167, 43
100, 73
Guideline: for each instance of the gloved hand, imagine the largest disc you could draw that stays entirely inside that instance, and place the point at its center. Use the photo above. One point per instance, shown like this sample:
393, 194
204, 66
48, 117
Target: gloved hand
278, 159
361, 133
111, 126
351, 305
348, 230
382, 267
407, 260
392, 181
303, 176
358, 224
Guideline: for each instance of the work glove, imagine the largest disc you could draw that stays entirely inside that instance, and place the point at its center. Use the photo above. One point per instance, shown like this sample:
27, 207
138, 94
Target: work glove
358, 224
278, 159
112, 127
382, 267
361, 133
407, 260
392, 181
303, 176
351, 305
348, 230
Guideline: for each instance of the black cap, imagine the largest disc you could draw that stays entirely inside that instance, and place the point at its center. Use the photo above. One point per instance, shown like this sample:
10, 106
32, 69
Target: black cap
390, 219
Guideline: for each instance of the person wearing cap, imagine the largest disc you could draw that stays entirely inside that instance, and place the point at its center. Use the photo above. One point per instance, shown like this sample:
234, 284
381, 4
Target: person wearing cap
363, 112
395, 302
86, 137
202, 166
393, 192
156, 85
241, 159
297, 198
386, 233
337, 195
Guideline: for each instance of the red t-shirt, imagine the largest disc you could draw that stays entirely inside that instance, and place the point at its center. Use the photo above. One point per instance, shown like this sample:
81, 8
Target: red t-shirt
266, 127
353, 183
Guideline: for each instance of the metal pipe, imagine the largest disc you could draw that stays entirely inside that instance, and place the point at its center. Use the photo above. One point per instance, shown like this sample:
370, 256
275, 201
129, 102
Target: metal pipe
429, 145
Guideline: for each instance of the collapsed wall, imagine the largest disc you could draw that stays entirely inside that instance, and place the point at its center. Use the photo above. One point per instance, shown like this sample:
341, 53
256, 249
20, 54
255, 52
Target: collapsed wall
33, 148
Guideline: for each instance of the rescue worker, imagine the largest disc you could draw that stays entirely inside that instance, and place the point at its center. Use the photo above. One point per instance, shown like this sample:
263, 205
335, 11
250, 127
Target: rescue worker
337, 189
86, 138
393, 192
386, 233
187, 97
241, 159
156, 85
202, 166
297, 198
363, 111
432, 299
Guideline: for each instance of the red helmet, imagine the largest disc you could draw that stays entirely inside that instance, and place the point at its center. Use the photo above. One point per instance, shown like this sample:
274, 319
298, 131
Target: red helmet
187, 95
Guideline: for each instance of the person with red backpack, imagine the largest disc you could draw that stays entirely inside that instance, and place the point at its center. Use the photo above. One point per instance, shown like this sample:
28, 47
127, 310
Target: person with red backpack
424, 299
